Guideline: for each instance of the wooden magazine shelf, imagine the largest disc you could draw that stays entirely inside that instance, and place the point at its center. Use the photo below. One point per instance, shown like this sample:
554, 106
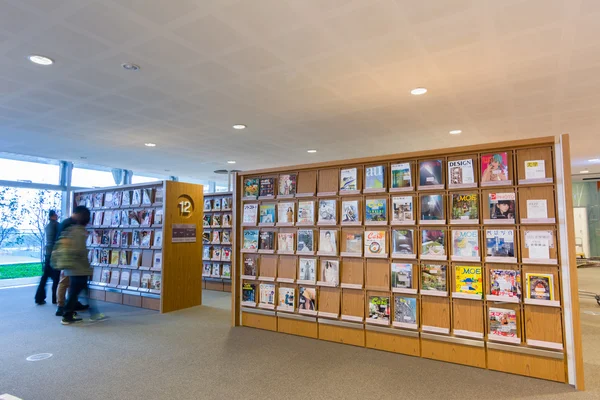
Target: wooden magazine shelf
217, 238
457, 255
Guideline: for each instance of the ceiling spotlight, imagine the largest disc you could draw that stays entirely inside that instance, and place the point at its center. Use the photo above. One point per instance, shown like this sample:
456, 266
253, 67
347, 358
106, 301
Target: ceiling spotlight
40, 60
239, 126
150, 144
231, 162
311, 151
83, 158
585, 171
594, 160
455, 132
418, 91
131, 67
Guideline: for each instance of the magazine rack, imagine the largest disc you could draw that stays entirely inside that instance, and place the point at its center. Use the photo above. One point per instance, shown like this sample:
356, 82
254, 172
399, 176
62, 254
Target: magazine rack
172, 262
222, 282
532, 242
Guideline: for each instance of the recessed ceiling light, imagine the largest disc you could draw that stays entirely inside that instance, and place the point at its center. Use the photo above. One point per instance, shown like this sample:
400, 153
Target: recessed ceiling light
40, 60
594, 160
231, 162
131, 67
239, 126
83, 158
150, 144
585, 171
311, 151
167, 170
418, 91
455, 132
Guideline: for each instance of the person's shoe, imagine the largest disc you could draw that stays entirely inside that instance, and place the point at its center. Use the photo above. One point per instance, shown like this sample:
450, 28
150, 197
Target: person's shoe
70, 320
81, 307
60, 311
54, 302
40, 303
98, 317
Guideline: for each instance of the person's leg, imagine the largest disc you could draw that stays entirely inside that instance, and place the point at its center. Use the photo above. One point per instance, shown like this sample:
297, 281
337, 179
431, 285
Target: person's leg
61, 292
95, 313
77, 285
40, 294
55, 279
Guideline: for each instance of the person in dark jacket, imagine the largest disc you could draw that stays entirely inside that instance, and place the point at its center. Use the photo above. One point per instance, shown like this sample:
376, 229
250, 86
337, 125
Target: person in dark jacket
51, 232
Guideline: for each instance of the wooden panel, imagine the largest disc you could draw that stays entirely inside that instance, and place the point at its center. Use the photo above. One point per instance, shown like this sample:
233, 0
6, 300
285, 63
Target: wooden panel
540, 153
268, 265
543, 323
113, 297
435, 311
307, 182
353, 302
394, 343
467, 315
287, 267
181, 277
152, 304
329, 300
339, 334
259, 321
471, 156
134, 301
328, 180
553, 251
97, 294
227, 286
528, 365
454, 353
212, 285
537, 193
299, 328
352, 271
378, 274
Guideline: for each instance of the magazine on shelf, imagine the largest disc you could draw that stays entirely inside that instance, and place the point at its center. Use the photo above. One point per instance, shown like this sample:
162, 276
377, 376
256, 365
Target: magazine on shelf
98, 200
116, 219
402, 209
267, 214
105, 238
115, 275
146, 217
125, 238
206, 252
267, 187
157, 260
267, 294
159, 195
216, 205
502, 324
502, 206
248, 294
330, 273
539, 286
537, 209
535, 169
375, 243
226, 204
348, 180
401, 176
433, 278
405, 311
147, 196
136, 197
402, 242
146, 238
376, 210
327, 212
285, 213
460, 172
157, 239
354, 243
379, 310
432, 208
328, 241
307, 270
306, 212
465, 207
305, 241
107, 220
216, 237
206, 220
285, 242
402, 277
538, 243
105, 277
307, 299
250, 239
226, 237
430, 173
468, 281
108, 198
500, 243
287, 185
98, 215
207, 205
206, 269
115, 240
216, 221
350, 211
146, 279
250, 214
124, 280
216, 254
135, 279
114, 257
267, 240
375, 177
494, 167
124, 218
216, 270
251, 187
505, 283
433, 242
226, 254
124, 257
156, 282
465, 243
286, 297
249, 266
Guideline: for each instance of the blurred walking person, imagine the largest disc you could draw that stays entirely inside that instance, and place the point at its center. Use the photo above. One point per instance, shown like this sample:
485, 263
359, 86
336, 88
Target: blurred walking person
51, 232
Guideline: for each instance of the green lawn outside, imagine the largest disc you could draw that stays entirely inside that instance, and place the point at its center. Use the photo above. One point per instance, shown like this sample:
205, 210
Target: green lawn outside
12, 271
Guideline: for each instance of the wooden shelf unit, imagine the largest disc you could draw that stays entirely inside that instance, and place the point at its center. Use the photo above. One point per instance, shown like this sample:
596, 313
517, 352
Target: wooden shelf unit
178, 277
218, 283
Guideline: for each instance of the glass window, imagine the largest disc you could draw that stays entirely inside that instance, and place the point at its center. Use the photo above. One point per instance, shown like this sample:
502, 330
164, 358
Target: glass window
586, 213
220, 188
27, 171
90, 178
23, 217
143, 179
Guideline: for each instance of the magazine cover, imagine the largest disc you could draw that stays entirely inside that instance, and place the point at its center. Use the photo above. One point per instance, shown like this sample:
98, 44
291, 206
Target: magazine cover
430, 173
114, 257
307, 269
216, 270
503, 322
500, 243
217, 205
98, 215
115, 238
305, 241
107, 218
348, 179
432, 207
375, 243
502, 205
402, 208
249, 293
328, 241
267, 293
494, 167
147, 196
146, 217
379, 308
116, 200
505, 283
126, 199
158, 217
157, 260
403, 241
250, 214
125, 218
226, 205
226, 272
206, 252
251, 187
216, 254
327, 212
146, 238
206, 237
159, 195
267, 213
350, 211
206, 220
285, 212
405, 310
123, 257
374, 177
267, 187
108, 198
286, 298
287, 184
401, 177
125, 239
135, 278
468, 279
105, 275
250, 239
106, 238
226, 254
539, 286
433, 277
156, 281
465, 243
207, 204
307, 299
465, 206
433, 242
216, 220
376, 210
136, 197
306, 212
226, 220
98, 200
226, 237
285, 241
460, 172
146, 278
267, 240
402, 276
124, 281
330, 272
216, 237
116, 219
206, 269
249, 266
354, 243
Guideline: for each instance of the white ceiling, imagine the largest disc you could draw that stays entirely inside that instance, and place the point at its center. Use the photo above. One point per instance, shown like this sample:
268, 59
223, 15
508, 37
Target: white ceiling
333, 75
